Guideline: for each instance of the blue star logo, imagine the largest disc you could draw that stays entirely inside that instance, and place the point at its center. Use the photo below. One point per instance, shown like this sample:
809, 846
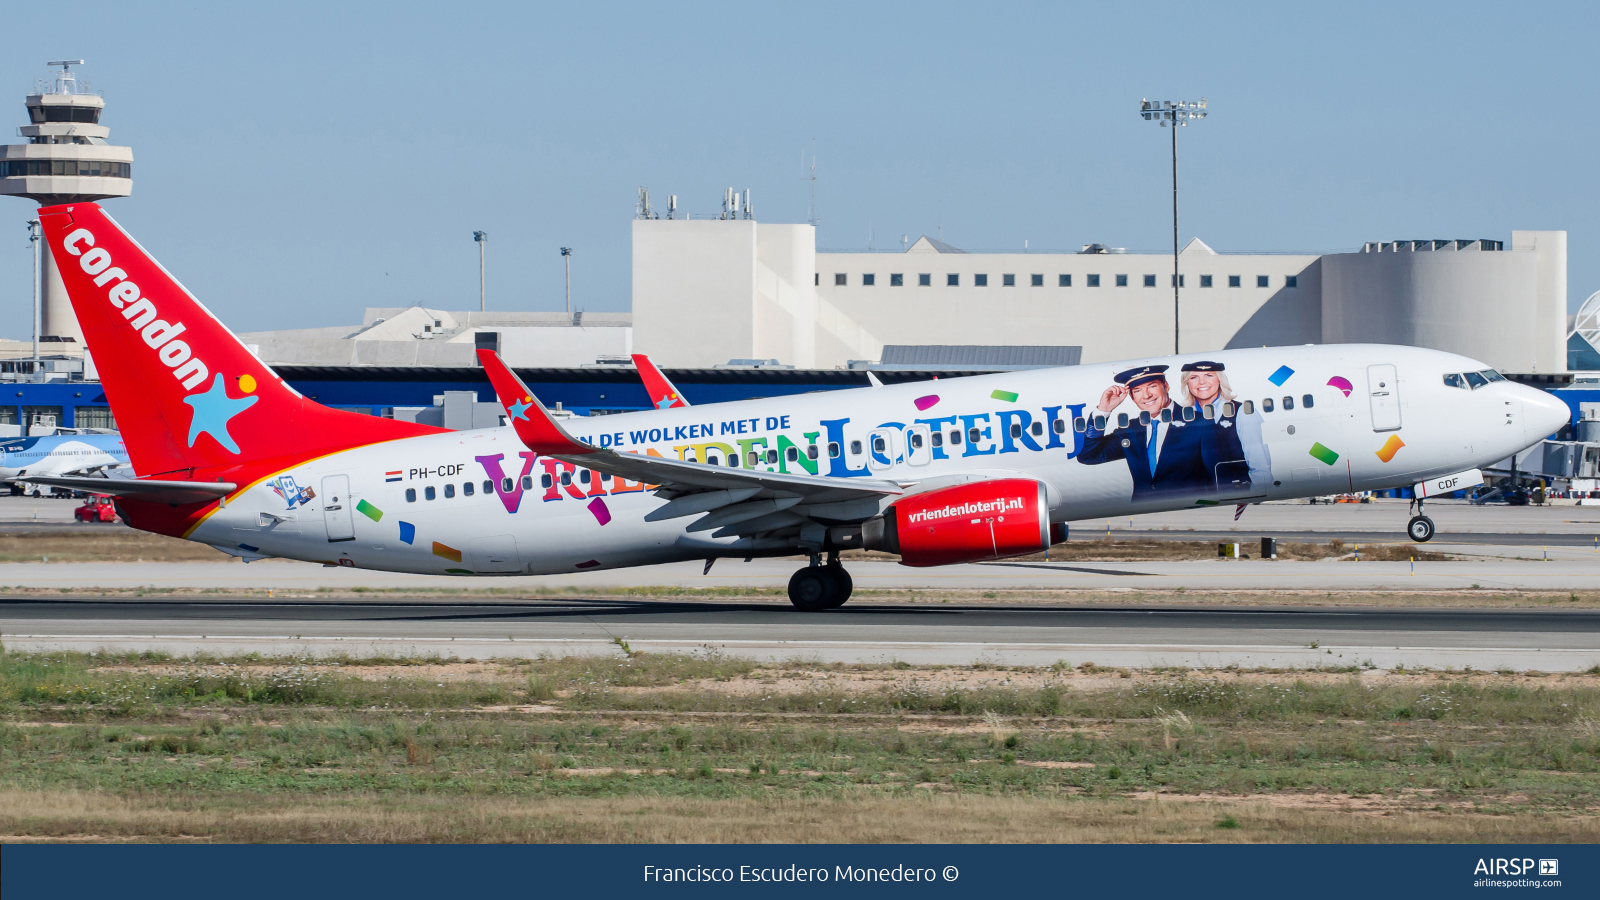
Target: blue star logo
212, 410
519, 410
666, 402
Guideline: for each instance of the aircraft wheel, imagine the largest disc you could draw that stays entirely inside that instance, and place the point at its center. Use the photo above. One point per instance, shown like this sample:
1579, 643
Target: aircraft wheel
1420, 529
811, 589
843, 584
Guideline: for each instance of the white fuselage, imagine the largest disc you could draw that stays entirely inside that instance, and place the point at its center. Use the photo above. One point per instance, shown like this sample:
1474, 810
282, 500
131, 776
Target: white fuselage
60, 455
404, 505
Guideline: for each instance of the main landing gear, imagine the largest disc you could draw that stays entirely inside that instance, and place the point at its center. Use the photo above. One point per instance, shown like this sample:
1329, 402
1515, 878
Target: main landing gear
818, 586
1420, 528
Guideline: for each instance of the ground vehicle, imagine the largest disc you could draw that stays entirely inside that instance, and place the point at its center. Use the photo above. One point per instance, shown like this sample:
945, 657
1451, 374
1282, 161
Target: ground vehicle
958, 470
95, 508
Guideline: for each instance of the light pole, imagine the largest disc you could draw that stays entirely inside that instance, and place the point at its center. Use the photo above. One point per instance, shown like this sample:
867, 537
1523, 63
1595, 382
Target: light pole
33, 238
1174, 113
482, 237
566, 256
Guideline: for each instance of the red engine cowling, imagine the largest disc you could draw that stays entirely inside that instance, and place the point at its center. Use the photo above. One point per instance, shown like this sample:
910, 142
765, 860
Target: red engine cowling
966, 523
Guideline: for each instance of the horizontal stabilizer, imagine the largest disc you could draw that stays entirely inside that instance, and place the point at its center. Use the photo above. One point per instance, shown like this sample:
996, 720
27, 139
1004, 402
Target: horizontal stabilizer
139, 489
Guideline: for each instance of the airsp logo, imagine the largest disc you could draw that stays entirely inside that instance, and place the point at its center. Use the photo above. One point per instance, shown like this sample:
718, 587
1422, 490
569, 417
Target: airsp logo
1549, 867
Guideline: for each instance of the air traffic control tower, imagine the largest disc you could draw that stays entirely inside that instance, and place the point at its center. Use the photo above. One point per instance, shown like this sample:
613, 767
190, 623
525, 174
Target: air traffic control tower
66, 160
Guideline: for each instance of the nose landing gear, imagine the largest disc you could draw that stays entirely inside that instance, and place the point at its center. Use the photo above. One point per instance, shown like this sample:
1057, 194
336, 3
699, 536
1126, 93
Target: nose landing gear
1420, 528
818, 587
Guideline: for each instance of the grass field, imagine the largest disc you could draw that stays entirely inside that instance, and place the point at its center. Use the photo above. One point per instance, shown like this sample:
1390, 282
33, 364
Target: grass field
709, 748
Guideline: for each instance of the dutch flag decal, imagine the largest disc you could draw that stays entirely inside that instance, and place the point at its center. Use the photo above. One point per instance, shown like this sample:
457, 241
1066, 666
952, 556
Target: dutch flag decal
391, 476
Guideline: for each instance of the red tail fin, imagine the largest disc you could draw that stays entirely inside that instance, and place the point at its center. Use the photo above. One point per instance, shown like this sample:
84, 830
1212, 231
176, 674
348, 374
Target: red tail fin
662, 394
527, 415
186, 394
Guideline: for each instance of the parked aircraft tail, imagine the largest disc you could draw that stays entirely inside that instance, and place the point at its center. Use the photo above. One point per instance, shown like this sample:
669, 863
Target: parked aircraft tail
662, 393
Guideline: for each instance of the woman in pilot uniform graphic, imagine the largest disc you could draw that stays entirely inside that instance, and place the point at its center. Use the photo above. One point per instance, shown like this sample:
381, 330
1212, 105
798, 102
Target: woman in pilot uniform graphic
1234, 450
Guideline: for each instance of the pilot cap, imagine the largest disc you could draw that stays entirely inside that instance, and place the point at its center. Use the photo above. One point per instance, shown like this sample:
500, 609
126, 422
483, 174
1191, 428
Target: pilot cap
1132, 378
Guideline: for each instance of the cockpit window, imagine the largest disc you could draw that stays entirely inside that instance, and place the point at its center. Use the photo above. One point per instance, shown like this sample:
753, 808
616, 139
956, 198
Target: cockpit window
1455, 381
1476, 380
1492, 375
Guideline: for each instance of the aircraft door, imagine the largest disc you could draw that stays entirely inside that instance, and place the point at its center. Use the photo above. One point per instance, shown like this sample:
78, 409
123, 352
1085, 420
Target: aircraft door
919, 447
881, 450
336, 508
1383, 385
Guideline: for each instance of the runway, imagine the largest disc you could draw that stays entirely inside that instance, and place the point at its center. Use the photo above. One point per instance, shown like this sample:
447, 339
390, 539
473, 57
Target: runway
949, 634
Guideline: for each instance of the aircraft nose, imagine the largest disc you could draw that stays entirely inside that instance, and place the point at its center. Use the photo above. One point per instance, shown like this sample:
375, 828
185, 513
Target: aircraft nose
1543, 413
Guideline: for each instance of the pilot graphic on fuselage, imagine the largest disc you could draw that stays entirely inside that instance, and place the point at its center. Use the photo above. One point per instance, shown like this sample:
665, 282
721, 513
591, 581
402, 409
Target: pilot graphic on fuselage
1163, 452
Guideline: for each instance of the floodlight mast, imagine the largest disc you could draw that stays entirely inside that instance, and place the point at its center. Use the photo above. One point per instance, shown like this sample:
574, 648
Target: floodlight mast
1177, 113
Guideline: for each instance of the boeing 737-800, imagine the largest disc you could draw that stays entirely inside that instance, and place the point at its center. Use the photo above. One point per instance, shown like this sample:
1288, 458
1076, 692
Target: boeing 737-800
940, 472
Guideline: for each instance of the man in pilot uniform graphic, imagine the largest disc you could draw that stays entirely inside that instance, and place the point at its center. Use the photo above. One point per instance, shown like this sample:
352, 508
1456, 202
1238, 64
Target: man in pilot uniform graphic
1162, 451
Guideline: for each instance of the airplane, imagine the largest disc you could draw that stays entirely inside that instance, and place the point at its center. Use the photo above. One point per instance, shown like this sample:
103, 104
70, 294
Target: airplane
939, 472
663, 395
60, 454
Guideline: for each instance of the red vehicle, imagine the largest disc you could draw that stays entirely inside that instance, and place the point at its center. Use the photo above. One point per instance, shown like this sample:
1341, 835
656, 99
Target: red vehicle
96, 508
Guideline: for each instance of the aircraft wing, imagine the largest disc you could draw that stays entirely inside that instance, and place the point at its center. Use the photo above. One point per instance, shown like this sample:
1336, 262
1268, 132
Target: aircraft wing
663, 394
735, 500
139, 489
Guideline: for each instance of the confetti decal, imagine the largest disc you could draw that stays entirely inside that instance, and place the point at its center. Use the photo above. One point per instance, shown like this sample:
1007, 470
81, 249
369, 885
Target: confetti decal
1342, 383
598, 507
1007, 396
368, 510
1324, 455
1280, 376
458, 571
1390, 447
924, 403
408, 532
589, 565
451, 553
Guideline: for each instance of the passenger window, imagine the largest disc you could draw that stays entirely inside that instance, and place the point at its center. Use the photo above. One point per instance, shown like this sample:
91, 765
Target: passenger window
1308, 401
527, 482
1122, 420
955, 438
1059, 426
411, 495
566, 478
916, 441
1266, 405
1144, 417
974, 435
1188, 414
855, 448
468, 489
1099, 423
811, 452
1166, 414
488, 487
751, 459
1455, 381
584, 477
449, 491
1249, 408
1037, 429
772, 457
1080, 424
733, 460
833, 449
1209, 411
1476, 380
1288, 404
792, 454
938, 438
507, 485
428, 494
1016, 429
877, 445
1227, 409
712, 459
545, 481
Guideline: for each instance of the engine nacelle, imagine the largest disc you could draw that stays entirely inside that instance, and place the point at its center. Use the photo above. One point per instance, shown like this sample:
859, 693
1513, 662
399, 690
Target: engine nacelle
964, 523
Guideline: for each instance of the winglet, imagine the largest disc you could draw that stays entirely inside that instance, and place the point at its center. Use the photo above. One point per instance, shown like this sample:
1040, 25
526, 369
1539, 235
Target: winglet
534, 425
663, 395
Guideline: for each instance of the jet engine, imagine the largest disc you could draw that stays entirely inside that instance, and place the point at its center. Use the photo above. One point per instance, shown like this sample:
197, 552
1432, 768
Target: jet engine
964, 523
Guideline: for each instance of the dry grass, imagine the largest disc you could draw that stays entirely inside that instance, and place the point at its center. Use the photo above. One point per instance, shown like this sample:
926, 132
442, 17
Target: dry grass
1161, 550
921, 817
103, 543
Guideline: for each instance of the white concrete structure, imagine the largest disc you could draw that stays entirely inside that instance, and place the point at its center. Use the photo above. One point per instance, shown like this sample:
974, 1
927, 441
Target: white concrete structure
66, 160
420, 336
706, 291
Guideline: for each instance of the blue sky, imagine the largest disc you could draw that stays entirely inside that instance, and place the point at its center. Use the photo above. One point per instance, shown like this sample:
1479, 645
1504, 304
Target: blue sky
295, 163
